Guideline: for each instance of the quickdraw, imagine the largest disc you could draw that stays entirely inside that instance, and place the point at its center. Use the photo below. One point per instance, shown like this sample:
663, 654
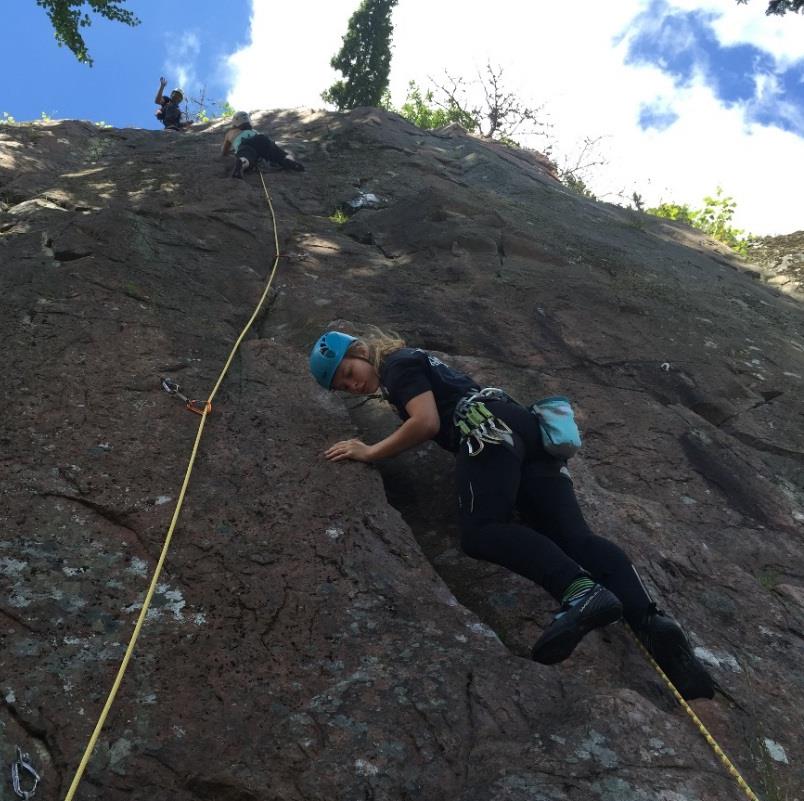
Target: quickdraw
23, 762
477, 426
198, 407
172, 388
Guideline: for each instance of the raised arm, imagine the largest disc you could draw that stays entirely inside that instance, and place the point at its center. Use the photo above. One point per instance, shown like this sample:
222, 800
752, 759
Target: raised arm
162, 84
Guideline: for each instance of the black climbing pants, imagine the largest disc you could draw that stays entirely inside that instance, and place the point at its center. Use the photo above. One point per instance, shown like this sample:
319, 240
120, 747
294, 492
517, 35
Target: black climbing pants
552, 545
261, 147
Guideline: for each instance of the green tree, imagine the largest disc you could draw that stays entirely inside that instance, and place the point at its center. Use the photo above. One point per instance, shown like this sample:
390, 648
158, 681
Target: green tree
364, 60
713, 219
780, 7
577, 185
420, 109
68, 17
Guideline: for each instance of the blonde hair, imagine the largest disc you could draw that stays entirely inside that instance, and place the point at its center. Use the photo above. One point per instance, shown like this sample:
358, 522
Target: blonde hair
379, 344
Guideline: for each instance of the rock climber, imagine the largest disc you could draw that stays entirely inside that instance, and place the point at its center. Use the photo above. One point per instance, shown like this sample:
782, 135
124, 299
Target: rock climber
502, 466
250, 145
169, 112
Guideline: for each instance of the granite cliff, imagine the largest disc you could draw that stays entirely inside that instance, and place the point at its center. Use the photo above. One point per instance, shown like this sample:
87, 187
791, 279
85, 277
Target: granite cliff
317, 633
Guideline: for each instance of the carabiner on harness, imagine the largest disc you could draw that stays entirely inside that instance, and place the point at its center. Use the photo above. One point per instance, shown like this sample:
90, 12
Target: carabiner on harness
477, 426
23, 762
198, 407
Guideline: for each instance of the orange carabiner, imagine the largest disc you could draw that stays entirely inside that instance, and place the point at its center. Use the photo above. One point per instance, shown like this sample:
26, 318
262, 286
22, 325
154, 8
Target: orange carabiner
199, 407
196, 406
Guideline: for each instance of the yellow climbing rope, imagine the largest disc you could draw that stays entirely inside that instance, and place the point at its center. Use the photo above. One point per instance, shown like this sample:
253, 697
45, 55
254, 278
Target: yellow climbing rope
169, 536
727, 763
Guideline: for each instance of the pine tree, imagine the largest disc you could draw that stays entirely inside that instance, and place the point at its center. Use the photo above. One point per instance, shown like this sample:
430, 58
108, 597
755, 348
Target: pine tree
781, 7
364, 60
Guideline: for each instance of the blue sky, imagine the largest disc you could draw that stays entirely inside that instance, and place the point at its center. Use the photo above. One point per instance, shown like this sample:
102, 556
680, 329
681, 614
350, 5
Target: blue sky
175, 36
680, 96
684, 44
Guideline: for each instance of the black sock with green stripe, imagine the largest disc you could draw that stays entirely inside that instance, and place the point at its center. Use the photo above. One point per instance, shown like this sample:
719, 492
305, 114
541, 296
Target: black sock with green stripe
580, 586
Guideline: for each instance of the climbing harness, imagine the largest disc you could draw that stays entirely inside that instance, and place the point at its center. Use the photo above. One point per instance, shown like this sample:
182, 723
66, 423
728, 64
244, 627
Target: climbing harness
23, 762
725, 761
473, 420
199, 407
207, 406
477, 426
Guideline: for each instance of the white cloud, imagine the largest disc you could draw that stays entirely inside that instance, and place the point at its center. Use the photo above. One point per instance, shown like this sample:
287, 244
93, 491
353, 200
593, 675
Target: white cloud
748, 24
571, 57
287, 63
180, 63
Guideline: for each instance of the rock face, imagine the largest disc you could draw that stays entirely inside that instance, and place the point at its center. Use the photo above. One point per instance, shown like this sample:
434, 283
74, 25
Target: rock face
317, 633
781, 261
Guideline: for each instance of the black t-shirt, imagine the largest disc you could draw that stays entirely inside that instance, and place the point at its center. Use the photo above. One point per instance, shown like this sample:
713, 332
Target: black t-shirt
408, 372
170, 113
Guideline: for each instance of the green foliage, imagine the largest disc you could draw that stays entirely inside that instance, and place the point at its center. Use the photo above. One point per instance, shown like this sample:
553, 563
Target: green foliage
780, 7
68, 17
420, 109
714, 219
45, 117
102, 124
204, 109
507, 140
386, 102
576, 184
364, 60
7, 119
339, 217
674, 211
499, 116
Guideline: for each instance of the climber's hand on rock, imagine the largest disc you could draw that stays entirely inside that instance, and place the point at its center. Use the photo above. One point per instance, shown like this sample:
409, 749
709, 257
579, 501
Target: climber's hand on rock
349, 449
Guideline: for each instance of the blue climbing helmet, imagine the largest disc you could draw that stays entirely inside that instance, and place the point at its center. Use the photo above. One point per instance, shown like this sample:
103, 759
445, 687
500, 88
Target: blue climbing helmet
327, 354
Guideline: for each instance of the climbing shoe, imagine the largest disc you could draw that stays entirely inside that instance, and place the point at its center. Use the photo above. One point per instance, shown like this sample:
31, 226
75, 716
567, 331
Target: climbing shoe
574, 620
291, 164
237, 172
669, 646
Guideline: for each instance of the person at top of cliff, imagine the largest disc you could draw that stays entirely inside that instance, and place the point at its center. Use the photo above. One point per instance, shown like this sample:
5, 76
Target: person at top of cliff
502, 466
250, 145
169, 112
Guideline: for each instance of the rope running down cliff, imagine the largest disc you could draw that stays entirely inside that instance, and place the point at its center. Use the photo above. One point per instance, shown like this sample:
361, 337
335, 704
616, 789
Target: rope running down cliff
721, 755
207, 408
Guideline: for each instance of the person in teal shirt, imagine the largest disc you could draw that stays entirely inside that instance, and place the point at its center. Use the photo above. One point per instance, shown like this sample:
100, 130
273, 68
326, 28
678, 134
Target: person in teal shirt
249, 146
